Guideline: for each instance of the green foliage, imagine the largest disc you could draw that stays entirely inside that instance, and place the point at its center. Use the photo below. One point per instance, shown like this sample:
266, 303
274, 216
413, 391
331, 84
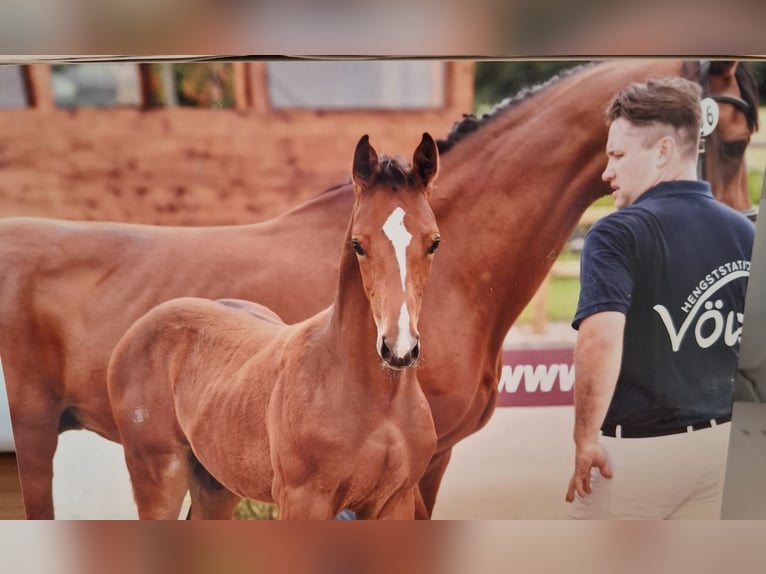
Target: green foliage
562, 301
254, 510
754, 183
759, 71
498, 80
209, 85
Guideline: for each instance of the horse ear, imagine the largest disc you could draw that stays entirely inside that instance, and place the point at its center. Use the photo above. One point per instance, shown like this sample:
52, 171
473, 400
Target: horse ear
425, 161
365, 163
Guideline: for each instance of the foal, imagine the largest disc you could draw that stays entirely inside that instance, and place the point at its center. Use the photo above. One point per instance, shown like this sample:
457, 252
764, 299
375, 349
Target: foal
318, 416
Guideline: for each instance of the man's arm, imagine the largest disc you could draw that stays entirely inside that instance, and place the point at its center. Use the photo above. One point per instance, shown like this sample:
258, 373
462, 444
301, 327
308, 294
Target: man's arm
598, 356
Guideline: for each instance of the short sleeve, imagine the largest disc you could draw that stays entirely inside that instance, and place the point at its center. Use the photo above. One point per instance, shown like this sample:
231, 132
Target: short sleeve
606, 269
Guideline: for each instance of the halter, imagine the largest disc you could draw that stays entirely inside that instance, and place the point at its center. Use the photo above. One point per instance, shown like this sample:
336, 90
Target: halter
738, 103
704, 81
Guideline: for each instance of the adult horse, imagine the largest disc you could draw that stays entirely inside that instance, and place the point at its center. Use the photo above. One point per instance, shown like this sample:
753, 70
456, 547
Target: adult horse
722, 163
303, 414
513, 186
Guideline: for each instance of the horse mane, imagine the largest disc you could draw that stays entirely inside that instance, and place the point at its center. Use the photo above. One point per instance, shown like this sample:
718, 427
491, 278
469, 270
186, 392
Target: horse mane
748, 87
471, 122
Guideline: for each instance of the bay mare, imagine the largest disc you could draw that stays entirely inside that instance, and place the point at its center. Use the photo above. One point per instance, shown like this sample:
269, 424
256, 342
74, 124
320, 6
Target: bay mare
510, 192
317, 416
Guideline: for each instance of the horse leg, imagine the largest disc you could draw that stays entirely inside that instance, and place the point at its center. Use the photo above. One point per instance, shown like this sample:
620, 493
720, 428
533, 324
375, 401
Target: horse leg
304, 504
400, 507
430, 482
36, 438
210, 500
159, 480
421, 512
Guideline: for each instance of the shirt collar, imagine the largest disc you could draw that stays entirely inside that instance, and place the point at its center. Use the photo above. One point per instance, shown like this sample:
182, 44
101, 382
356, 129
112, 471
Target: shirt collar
683, 187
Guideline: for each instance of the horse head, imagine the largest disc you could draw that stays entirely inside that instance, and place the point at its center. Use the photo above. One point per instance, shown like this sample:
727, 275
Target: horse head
722, 164
394, 235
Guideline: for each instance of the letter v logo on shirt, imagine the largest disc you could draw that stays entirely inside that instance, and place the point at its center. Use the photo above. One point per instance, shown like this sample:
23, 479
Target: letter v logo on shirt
677, 337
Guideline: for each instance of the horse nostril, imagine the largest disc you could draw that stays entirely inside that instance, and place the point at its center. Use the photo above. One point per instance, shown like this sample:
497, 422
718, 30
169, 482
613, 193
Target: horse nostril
385, 352
416, 351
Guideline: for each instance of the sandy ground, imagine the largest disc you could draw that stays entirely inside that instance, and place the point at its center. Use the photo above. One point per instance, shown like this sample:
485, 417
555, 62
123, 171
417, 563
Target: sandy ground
517, 467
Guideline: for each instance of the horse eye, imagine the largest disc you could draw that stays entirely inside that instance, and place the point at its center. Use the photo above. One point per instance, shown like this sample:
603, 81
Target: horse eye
357, 247
434, 246
734, 150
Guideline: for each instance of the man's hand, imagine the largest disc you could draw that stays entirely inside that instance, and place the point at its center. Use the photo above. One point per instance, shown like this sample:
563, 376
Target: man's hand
586, 457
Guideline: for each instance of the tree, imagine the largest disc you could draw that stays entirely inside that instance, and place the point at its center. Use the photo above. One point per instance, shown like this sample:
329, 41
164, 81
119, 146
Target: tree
498, 80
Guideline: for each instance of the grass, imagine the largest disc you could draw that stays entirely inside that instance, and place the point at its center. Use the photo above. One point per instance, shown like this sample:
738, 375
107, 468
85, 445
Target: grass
756, 160
754, 183
562, 301
254, 510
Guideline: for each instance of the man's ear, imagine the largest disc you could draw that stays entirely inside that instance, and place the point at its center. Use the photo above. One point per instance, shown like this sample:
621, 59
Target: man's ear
667, 149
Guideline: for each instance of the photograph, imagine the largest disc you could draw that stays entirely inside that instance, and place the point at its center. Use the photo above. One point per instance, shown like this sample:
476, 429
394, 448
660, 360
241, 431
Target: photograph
375, 288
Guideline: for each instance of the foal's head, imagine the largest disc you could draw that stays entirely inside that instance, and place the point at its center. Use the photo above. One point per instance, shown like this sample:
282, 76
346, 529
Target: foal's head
394, 234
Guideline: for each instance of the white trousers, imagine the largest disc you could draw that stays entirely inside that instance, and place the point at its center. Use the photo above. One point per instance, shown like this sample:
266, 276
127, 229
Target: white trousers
677, 476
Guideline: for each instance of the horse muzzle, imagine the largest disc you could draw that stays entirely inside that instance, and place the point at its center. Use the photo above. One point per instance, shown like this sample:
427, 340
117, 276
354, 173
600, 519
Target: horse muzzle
401, 359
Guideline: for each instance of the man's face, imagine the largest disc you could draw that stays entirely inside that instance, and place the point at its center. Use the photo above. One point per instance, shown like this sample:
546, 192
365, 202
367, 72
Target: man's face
632, 167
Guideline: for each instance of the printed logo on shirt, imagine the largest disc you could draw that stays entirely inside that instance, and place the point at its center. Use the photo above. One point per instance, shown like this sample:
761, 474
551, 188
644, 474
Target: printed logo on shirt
706, 312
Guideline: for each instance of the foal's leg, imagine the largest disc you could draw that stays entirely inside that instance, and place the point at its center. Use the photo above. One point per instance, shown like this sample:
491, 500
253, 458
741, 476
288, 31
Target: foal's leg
156, 452
210, 500
160, 481
430, 482
400, 507
304, 503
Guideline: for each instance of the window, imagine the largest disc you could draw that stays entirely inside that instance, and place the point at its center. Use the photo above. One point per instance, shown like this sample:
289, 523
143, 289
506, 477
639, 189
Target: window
356, 84
12, 94
96, 85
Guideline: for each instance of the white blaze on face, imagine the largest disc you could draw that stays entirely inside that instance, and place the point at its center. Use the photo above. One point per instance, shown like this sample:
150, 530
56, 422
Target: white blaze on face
398, 235
400, 238
403, 342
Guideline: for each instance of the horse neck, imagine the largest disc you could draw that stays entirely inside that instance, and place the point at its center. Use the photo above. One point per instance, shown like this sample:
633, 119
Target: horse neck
514, 190
351, 331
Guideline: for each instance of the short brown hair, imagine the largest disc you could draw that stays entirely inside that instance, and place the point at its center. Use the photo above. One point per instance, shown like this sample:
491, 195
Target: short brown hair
671, 102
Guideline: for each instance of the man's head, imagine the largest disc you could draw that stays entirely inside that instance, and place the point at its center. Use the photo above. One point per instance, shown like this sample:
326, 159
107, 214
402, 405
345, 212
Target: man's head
653, 136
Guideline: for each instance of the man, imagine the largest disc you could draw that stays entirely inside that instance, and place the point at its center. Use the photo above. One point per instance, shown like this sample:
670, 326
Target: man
662, 296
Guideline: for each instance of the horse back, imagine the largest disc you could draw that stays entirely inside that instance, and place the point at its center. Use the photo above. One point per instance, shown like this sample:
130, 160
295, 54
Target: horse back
256, 310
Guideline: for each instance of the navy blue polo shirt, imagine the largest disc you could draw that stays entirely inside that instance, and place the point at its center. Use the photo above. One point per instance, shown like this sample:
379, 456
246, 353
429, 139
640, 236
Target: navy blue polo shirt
676, 263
